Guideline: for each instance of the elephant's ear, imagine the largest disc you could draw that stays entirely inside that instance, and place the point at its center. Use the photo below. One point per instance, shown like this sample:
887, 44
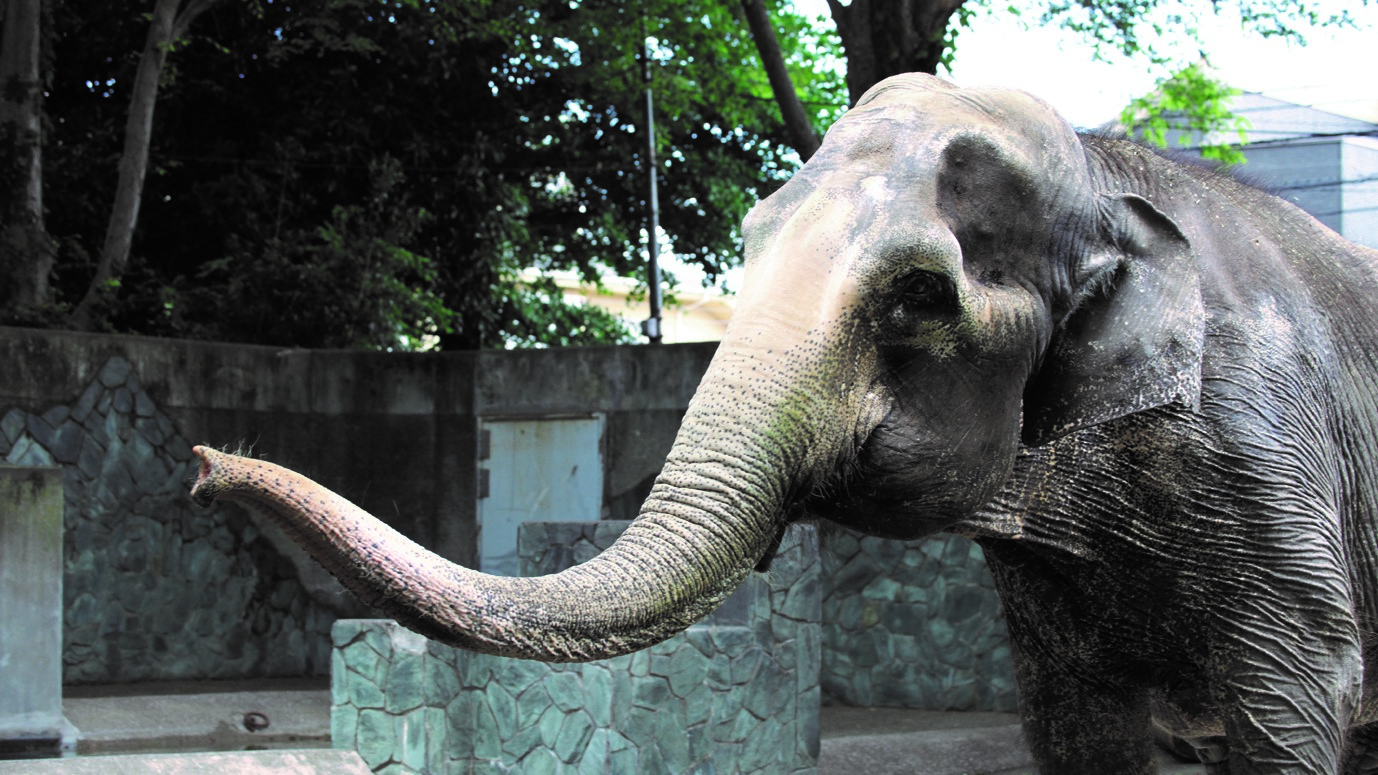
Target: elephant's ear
1133, 344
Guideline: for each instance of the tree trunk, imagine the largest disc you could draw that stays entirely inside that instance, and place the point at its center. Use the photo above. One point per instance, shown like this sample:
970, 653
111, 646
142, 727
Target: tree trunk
797, 124
166, 27
26, 251
882, 38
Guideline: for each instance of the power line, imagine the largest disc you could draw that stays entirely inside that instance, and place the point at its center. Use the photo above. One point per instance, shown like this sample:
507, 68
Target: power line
1327, 184
1281, 140
1346, 211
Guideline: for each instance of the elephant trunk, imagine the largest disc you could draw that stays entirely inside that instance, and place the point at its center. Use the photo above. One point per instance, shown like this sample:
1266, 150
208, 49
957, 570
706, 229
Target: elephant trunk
713, 513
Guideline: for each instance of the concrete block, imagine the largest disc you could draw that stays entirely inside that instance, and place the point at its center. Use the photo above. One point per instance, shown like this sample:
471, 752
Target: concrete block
31, 608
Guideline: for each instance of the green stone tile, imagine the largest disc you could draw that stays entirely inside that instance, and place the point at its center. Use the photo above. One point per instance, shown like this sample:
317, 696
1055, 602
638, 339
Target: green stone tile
344, 725
364, 660
376, 634
616, 742
641, 663
700, 748
531, 704
523, 742
440, 681
672, 742
733, 640
688, 671
745, 667
701, 639
541, 761
594, 760
411, 730
438, 739
942, 633
485, 767
623, 691
743, 726
762, 750
698, 706
566, 689
375, 742
549, 725
651, 692
339, 671
575, 732
487, 742
719, 675
650, 760
476, 671
660, 659
504, 709
363, 693
404, 688
518, 674
598, 693
639, 727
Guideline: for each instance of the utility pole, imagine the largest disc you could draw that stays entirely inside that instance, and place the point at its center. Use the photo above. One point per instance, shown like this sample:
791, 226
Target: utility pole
651, 326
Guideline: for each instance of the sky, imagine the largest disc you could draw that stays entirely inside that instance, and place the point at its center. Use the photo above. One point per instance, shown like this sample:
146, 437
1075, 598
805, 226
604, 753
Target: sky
1334, 71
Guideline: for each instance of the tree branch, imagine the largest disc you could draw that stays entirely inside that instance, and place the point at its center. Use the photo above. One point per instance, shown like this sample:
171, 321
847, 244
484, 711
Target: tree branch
166, 27
797, 124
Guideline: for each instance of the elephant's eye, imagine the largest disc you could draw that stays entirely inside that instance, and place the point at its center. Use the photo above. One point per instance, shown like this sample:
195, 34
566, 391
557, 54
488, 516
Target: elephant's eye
925, 293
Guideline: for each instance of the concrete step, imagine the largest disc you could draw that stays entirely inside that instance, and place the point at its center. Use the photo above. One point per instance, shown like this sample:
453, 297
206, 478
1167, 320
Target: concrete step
200, 716
879, 741
896, 741
211, 716
308, 762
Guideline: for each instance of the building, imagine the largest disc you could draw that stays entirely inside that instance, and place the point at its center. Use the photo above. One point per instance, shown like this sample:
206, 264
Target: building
696, 314
1323, 161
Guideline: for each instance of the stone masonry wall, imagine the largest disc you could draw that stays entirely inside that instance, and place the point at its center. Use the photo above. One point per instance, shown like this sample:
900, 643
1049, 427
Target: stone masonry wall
913, 624
723, 698
159, 589
156, 587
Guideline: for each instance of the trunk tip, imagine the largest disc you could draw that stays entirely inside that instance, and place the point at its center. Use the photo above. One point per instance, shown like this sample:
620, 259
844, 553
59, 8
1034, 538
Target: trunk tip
208, 479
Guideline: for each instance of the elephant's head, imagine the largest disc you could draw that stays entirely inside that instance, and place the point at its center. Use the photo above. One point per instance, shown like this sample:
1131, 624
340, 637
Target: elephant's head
942, 279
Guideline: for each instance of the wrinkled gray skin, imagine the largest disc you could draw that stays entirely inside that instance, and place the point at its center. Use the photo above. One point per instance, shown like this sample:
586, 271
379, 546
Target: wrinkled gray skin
1145, 388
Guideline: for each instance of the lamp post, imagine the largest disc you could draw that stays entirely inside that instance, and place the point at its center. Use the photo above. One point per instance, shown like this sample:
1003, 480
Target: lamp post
651, 326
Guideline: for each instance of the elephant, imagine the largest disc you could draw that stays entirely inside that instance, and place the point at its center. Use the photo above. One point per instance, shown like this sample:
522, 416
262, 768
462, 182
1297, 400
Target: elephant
1144, 387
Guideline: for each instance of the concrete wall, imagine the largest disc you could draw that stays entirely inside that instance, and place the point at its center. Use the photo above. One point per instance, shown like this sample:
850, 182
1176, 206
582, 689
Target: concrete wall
157, 588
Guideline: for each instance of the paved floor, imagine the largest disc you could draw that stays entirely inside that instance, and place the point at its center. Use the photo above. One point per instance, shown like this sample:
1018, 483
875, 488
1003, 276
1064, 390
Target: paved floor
295, 714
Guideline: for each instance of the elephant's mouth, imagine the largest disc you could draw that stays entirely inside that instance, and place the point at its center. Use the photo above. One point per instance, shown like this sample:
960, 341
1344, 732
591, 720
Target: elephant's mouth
890, 491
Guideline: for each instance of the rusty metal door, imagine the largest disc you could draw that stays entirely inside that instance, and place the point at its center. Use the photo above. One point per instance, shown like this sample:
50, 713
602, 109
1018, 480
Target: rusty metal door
548, 469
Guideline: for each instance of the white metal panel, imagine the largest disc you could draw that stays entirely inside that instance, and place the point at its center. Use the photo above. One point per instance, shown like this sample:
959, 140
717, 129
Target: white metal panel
538, 470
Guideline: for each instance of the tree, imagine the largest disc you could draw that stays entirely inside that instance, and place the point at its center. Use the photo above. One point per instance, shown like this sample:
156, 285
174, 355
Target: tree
26, 252
348, 173
168, 24
1190, 100
882, 38
887, 37
801, 132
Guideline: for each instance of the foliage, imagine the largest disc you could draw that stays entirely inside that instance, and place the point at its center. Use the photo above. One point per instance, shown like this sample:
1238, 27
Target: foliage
345, 173
1137, 28
1190, 100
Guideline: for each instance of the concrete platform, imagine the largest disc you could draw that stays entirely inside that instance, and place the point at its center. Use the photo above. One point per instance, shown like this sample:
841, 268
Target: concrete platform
200, 716
210, 716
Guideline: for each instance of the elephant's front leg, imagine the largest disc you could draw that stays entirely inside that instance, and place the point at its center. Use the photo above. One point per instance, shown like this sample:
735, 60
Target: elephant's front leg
1075, 727
1286, 688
